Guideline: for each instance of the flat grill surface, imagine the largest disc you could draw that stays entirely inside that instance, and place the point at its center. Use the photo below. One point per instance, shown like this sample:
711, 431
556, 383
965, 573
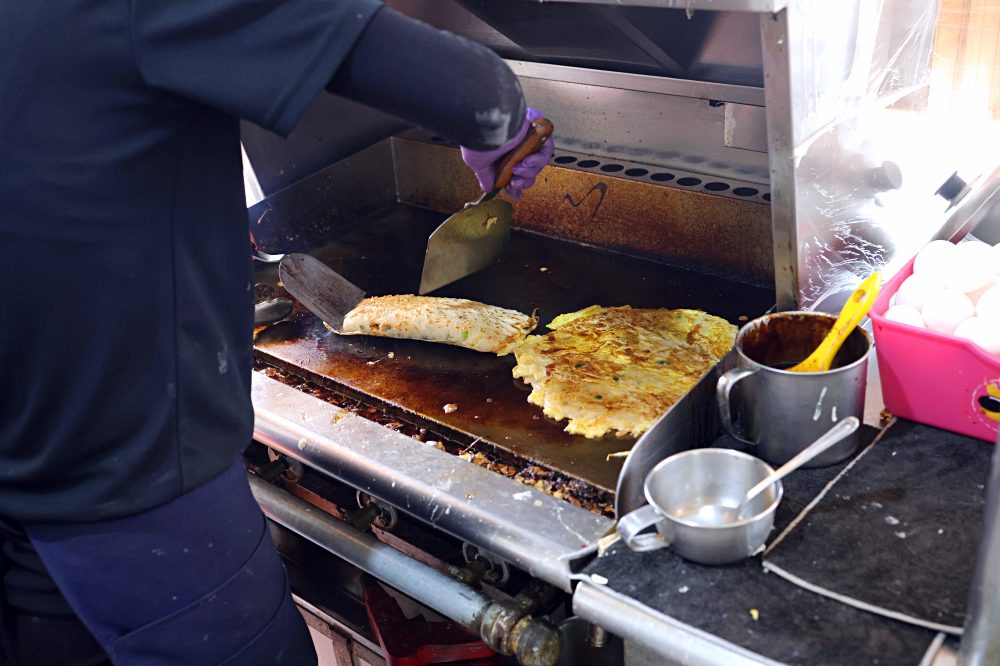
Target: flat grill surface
384, 255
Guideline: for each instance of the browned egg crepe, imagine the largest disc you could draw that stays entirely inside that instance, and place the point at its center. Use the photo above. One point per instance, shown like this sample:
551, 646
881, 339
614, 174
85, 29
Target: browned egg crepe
618, 369
453, 321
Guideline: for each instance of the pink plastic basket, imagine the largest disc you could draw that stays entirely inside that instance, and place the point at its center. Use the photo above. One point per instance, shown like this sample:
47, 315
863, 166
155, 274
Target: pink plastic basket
936, 379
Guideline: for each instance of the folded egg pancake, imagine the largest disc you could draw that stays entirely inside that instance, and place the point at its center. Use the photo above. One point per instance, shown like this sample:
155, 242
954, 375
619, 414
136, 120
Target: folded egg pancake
618, 369
453, 321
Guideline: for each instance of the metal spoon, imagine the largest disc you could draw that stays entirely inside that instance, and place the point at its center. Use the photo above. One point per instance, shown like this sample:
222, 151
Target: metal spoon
832, 436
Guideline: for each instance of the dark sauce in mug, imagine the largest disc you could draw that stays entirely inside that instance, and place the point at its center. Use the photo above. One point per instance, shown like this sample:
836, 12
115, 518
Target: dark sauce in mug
785, 340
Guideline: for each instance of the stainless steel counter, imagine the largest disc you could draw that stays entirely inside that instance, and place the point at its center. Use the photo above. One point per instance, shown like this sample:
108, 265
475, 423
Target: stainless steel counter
667, 637
528, 528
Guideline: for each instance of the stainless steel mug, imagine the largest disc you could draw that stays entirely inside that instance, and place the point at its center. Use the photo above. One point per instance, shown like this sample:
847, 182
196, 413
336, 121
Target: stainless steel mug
690, 496
781, 412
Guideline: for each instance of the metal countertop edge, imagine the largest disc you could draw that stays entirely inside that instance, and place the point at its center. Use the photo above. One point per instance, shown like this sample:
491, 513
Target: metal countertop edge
660, 633
524, 526
755, 6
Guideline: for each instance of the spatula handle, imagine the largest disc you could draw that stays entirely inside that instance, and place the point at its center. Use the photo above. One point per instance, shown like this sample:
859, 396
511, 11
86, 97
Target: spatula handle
538, 133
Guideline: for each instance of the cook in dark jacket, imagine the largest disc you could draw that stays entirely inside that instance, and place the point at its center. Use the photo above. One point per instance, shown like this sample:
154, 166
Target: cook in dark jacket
125, 327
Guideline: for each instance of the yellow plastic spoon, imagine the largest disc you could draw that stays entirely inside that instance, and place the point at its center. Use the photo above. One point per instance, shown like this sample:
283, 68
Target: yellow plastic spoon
854, 311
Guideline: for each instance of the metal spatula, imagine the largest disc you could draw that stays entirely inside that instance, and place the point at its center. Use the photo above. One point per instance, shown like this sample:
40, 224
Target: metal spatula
476, 236
322, 290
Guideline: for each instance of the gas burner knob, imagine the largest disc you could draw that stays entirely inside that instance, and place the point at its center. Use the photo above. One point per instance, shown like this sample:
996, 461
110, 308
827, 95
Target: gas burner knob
293, 470
387, 516
272, 470
498, 571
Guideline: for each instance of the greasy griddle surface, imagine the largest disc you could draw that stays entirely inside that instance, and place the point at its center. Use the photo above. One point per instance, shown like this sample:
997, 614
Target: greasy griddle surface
384, 255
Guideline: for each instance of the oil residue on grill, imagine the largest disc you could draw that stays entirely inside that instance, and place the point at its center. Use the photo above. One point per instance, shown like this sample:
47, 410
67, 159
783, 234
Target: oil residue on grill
575, 491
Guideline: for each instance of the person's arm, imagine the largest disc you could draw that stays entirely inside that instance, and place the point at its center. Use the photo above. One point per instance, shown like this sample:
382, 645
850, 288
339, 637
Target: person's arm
447, 84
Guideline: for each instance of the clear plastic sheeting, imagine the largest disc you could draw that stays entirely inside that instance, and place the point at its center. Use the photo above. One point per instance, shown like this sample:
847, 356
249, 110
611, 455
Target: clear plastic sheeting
868, 148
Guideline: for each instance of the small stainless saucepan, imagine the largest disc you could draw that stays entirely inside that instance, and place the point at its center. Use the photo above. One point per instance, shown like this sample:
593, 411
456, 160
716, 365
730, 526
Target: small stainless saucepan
700, 503
688, 493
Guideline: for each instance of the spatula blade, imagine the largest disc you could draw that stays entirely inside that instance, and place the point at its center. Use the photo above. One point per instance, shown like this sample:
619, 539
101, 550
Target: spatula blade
326, 293
466, 242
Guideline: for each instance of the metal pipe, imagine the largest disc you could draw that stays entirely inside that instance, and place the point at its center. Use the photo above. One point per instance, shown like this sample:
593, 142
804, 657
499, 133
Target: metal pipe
442, 593
504, 627
981, 639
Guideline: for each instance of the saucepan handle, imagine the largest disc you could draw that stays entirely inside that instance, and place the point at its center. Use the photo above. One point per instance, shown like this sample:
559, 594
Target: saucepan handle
722, 392
631, 524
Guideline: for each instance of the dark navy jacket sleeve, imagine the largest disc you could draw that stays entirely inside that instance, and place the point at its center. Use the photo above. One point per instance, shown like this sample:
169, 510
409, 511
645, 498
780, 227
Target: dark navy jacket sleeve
261, 60
445, 83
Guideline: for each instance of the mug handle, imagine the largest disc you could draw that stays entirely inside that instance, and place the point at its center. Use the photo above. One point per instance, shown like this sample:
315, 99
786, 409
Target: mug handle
636, 521
722, 390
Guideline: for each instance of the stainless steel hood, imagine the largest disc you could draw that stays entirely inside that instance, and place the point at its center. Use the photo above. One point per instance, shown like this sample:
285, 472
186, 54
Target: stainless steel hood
718, 47
703, 40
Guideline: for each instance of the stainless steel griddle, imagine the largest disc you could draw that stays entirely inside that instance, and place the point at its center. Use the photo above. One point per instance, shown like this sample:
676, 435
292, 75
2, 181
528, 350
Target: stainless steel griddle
419, 379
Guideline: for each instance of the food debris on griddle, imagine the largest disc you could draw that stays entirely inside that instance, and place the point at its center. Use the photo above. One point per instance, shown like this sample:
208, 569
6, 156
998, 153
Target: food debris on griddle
575, 491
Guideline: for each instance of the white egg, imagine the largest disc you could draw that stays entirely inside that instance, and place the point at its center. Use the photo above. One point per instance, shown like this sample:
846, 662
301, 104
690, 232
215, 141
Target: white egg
974, 296
916, 289
906, 314
988, 306
971, 267
944, 311
934, 259
981, 331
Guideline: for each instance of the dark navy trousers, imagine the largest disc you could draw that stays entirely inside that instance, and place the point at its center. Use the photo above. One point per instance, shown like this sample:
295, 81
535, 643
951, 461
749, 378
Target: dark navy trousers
196, 581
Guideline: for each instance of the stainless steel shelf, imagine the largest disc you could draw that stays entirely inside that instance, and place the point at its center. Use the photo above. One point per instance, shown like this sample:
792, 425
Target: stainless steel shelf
661, 85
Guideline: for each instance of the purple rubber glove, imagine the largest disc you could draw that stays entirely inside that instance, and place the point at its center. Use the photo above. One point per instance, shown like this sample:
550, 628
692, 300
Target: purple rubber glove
483, 163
